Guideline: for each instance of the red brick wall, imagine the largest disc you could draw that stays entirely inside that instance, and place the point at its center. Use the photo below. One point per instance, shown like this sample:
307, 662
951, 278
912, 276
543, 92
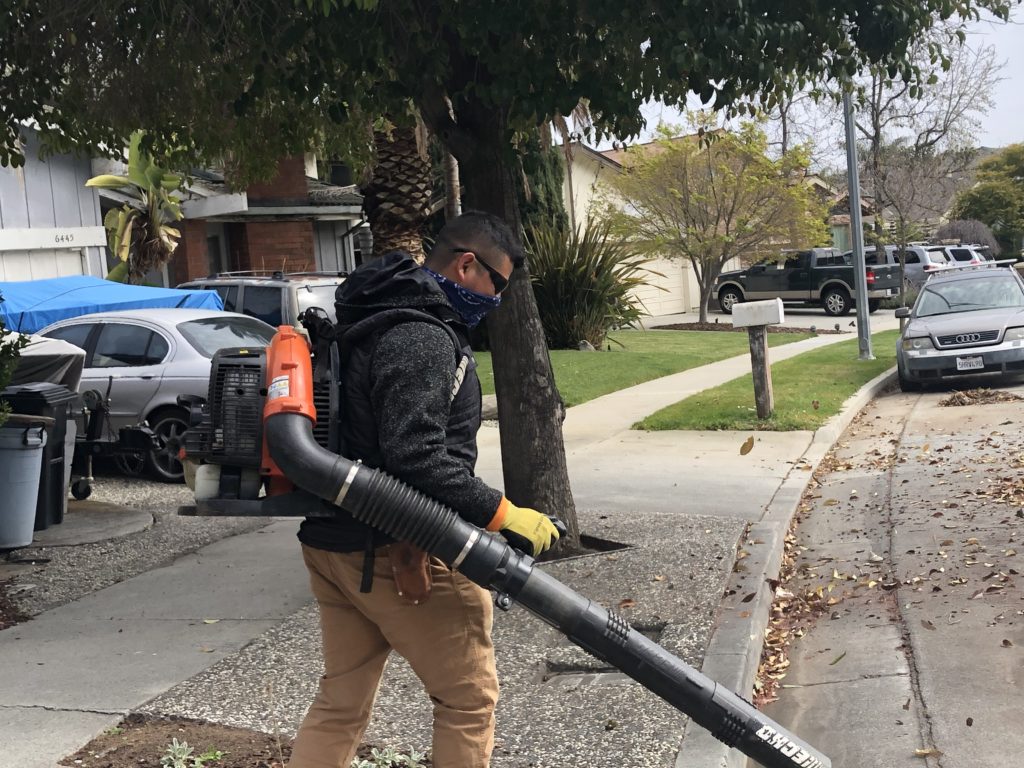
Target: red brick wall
275, 245
190, 258
288, 186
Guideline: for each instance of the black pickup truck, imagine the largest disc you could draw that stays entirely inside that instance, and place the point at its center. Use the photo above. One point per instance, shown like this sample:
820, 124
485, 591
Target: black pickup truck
820, 276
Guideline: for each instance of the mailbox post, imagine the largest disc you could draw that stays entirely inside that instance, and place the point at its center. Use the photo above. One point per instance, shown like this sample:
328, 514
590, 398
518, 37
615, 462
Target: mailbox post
756, 316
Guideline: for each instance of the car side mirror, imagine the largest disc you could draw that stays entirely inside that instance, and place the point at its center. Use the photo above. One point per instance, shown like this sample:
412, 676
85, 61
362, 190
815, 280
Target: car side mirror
903, 312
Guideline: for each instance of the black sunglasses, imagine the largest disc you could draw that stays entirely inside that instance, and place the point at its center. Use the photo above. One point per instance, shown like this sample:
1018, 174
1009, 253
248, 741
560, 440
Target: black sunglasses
498, 280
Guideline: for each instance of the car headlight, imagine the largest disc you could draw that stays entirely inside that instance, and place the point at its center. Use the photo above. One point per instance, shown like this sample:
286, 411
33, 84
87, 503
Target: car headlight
1014, 334
917, 342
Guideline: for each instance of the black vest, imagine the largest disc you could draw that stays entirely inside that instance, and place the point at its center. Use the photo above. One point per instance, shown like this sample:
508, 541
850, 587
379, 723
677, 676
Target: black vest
359, 439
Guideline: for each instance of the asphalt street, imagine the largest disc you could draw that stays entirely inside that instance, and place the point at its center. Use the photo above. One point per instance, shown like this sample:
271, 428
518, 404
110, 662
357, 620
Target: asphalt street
912, 535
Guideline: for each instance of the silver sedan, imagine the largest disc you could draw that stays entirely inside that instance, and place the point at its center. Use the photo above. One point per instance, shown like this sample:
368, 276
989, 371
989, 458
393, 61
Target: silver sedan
966, 322
147, 357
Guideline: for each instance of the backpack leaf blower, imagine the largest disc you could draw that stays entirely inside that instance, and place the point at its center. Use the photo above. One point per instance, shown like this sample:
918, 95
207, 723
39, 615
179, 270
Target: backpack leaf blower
259, 429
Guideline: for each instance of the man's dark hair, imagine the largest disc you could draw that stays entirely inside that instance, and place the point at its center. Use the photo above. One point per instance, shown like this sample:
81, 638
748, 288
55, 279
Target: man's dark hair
475, 230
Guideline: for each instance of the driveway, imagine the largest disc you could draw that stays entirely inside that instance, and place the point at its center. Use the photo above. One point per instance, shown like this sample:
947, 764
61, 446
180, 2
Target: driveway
915, 532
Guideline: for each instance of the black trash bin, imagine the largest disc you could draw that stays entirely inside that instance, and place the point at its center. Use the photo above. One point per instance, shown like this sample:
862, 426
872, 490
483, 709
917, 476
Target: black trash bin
54, 401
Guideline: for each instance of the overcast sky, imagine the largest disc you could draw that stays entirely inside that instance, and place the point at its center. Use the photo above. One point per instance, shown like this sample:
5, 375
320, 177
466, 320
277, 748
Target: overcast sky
1005, 123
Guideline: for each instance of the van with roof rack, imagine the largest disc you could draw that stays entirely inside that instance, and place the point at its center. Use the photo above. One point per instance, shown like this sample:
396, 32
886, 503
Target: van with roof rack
277, 298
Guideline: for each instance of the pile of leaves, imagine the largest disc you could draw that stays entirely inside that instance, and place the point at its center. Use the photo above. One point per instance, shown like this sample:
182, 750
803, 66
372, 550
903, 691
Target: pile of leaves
980, 396
791, 615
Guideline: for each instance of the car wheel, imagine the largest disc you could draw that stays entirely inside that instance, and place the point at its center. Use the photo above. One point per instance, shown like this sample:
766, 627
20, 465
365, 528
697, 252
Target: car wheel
130, 464
836, 302
906, 385
169, 426
729, 298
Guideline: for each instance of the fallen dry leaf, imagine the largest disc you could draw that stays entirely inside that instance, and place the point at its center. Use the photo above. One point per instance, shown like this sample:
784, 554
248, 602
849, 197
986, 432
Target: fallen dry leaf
1007, 643
627, 602
927, 624
748, 446
930, 752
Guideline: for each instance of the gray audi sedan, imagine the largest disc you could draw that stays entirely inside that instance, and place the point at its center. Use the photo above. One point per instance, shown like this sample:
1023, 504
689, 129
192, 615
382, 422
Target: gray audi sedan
966, 322
146, 358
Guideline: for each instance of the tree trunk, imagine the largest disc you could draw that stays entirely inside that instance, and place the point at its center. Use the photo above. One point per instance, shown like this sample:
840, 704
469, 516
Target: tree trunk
530, 410
452, 187
705, 302
398, 195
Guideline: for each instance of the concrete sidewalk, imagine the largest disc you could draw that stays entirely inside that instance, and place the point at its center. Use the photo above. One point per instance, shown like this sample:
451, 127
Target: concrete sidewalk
228, 634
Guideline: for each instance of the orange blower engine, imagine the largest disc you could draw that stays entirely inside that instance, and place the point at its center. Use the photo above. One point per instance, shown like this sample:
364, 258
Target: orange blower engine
289, 390
227, 462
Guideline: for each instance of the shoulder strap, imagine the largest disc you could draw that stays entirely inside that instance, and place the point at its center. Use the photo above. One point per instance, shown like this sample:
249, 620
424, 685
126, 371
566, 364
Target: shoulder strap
375, 324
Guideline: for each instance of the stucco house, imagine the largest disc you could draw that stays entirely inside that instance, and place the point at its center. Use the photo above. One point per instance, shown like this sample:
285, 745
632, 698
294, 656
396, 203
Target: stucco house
676, 288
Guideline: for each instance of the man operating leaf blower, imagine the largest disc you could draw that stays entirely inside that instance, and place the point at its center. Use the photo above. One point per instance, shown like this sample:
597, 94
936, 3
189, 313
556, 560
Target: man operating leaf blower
412, 408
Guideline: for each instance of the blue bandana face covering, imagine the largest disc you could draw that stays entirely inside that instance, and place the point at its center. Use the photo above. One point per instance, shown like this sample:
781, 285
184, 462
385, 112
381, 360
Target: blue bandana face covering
471, 306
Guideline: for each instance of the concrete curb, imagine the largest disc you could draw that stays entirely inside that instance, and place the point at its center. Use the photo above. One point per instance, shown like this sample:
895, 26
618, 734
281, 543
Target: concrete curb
734, 651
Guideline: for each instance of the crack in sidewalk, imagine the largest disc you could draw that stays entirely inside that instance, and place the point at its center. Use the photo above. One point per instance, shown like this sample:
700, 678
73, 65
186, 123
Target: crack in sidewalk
925, 727
45, 708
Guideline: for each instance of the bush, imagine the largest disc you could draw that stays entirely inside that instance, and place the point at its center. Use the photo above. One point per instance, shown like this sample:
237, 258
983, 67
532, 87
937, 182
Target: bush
10, 350
584, 282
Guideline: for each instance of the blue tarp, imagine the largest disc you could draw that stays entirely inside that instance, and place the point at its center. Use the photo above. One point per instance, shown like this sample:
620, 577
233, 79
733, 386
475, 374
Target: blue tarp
31, 305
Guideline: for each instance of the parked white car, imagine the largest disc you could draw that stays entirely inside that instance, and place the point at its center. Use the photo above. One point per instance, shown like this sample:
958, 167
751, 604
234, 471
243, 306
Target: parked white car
147, 357
918, 261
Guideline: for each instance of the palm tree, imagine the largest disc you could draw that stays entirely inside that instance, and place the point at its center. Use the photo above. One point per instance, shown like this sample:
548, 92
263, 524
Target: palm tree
397, 197
139, 233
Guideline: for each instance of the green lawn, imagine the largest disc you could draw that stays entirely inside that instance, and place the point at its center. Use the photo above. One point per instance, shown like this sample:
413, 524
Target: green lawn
644, 355
826, 377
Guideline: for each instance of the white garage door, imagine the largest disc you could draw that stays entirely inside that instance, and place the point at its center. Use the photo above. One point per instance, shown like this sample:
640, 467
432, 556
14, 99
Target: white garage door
666, 294
41, 264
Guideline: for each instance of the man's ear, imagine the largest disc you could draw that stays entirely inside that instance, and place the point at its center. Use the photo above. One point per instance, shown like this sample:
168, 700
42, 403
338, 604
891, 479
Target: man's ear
462, 262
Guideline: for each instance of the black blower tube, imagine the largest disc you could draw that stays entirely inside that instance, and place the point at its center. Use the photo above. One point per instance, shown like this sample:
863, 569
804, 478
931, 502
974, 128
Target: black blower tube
391, 506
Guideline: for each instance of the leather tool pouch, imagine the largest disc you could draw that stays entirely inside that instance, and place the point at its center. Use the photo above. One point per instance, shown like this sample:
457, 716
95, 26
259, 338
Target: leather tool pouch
410, 566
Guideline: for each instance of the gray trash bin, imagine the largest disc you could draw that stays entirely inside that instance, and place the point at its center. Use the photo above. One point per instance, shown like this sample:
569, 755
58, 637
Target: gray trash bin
53, 401
21, 461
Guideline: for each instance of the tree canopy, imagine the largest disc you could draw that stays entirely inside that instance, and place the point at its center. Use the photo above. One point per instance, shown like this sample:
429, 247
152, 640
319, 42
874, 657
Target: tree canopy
998, 198
716, 200
254, 79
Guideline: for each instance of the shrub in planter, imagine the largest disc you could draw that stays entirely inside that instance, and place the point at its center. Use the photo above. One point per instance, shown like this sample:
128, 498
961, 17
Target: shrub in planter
10, 350
584, 282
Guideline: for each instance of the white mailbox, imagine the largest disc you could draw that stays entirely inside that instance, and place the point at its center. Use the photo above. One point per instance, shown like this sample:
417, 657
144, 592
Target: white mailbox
750, 313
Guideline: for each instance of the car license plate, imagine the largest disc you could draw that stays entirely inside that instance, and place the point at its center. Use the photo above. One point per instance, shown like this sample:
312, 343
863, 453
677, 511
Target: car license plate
970, 363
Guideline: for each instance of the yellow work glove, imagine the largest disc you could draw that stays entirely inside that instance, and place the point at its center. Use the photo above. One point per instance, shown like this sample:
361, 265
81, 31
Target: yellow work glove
525, 529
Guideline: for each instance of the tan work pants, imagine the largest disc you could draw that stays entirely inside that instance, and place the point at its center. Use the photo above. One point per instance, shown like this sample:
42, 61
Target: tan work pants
446, 640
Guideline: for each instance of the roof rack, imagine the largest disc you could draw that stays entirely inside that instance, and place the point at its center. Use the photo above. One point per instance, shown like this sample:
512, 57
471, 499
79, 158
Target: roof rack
968, 267
274, 273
